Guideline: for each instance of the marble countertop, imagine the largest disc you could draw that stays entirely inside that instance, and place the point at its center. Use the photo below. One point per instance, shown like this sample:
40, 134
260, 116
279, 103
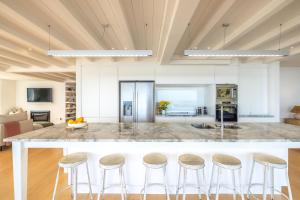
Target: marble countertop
162, 132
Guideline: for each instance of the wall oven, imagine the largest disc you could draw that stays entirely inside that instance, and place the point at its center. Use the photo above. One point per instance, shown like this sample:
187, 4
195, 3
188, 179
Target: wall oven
230, 112
227, 96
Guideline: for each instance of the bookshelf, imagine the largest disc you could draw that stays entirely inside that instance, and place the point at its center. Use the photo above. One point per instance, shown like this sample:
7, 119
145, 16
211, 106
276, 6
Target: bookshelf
70, 100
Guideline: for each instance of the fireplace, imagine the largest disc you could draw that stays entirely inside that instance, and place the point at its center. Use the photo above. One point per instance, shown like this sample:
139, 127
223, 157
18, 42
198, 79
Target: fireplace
40, 116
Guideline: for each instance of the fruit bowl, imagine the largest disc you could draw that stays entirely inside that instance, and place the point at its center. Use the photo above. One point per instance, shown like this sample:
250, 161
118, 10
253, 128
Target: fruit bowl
79, 125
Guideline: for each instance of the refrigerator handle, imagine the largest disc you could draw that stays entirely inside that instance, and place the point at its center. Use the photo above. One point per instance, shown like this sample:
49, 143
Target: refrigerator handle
137, 107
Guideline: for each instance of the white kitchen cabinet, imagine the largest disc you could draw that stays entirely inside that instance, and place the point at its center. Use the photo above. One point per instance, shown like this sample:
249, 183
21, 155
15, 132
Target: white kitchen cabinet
226, 74
99, 89
186, 74
90, 96
108, 93
253, 90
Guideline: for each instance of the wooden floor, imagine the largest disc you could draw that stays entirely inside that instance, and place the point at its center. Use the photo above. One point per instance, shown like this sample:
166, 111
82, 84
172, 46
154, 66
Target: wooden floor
43, 167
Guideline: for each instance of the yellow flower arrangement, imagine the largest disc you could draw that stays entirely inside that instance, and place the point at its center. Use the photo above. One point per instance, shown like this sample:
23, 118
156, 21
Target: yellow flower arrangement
163, 105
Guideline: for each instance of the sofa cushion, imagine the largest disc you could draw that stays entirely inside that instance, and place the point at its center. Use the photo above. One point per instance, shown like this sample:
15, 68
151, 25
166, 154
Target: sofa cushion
15, 117
26, 125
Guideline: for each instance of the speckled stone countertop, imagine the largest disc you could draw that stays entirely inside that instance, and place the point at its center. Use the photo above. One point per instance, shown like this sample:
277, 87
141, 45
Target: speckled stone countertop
163, 132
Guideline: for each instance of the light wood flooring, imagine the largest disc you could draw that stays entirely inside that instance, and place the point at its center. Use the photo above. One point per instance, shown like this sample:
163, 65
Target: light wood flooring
42, 170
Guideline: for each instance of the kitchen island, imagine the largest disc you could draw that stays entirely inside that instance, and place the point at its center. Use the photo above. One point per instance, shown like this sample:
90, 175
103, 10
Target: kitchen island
172, 139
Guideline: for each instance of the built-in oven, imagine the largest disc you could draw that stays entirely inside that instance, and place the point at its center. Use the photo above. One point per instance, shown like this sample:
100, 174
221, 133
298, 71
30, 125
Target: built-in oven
230, 112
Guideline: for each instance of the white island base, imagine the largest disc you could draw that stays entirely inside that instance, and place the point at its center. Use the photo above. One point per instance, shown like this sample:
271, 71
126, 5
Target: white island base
134, 169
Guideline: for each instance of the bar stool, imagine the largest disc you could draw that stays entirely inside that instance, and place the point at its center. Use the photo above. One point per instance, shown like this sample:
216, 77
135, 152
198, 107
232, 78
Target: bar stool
72, 161
155, 161
227, 162
194, 163
269, 163
112, 162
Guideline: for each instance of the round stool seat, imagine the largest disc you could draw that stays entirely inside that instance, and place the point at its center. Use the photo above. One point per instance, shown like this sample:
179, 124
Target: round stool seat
266, 159
73, 160
155, 160
226, 161
191, 161
112, 161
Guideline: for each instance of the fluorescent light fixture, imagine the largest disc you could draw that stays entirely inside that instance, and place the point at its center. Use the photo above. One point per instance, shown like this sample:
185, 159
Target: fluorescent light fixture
100, 53
236, 53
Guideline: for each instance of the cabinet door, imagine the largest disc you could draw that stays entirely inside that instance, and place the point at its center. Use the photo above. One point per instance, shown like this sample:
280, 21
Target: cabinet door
90, 92
109, 103
253, 91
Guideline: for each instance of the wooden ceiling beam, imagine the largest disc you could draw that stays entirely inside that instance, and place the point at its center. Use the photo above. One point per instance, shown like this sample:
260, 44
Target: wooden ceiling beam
293, 52
3, 67
38, 69
272, 34
58, 75
22, 59
11, 62
54, 75
41, 76
262, 15
72, 18
31, 53
117, 20
20, 14
284, 44
72, 76
181, 16
18, 35
212, 22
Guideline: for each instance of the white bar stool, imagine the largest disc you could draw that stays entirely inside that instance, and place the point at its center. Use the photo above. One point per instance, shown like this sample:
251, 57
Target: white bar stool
229, 163
194, 163
270, 163
155, 161
112, 162
72, 161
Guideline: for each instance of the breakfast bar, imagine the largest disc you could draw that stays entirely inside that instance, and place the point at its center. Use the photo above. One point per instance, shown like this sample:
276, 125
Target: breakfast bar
134, 140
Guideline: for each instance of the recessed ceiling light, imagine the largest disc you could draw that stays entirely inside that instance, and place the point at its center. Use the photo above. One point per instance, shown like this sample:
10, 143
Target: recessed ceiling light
29, 49
292, 47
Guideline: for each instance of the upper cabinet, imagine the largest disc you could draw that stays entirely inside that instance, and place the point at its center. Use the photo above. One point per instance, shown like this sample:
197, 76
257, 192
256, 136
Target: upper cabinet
226, 74
184, 74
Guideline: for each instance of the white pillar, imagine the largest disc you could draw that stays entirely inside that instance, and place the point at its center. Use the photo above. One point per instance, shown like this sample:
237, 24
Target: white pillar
20, 164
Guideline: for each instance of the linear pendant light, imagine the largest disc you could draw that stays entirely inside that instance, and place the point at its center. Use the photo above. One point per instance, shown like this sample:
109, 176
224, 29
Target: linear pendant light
100, 53
97, 53
237, 53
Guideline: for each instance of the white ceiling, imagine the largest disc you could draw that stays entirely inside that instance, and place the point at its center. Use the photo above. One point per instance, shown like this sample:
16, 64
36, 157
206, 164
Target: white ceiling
165, 26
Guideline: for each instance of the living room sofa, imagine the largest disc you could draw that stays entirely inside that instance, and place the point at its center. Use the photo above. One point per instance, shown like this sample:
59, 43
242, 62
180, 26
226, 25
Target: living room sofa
26, 124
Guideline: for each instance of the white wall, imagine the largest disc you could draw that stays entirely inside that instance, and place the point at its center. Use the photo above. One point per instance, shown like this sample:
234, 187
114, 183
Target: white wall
97, 84
7, 95
57, 107
289, 89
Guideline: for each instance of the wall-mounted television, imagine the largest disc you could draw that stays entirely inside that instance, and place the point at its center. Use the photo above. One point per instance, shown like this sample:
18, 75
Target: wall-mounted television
39, 94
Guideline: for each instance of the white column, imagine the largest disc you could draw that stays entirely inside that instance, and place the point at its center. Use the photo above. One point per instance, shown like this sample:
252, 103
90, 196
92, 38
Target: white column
20, 163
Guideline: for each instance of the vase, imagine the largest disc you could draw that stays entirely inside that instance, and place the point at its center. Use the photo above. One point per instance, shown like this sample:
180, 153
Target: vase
163, 112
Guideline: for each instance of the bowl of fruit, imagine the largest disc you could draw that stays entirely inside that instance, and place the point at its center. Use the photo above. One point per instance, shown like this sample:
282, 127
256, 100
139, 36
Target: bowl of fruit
77, 123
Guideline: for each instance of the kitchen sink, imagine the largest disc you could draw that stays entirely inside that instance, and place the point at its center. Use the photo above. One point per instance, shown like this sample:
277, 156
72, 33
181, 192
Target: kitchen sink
202, 126
229, 126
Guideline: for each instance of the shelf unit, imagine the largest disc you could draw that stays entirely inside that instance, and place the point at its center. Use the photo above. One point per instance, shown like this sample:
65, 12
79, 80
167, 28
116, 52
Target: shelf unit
70, 91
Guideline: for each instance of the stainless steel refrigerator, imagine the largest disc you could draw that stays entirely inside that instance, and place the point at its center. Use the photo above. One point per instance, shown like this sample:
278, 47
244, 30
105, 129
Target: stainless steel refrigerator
136, 101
